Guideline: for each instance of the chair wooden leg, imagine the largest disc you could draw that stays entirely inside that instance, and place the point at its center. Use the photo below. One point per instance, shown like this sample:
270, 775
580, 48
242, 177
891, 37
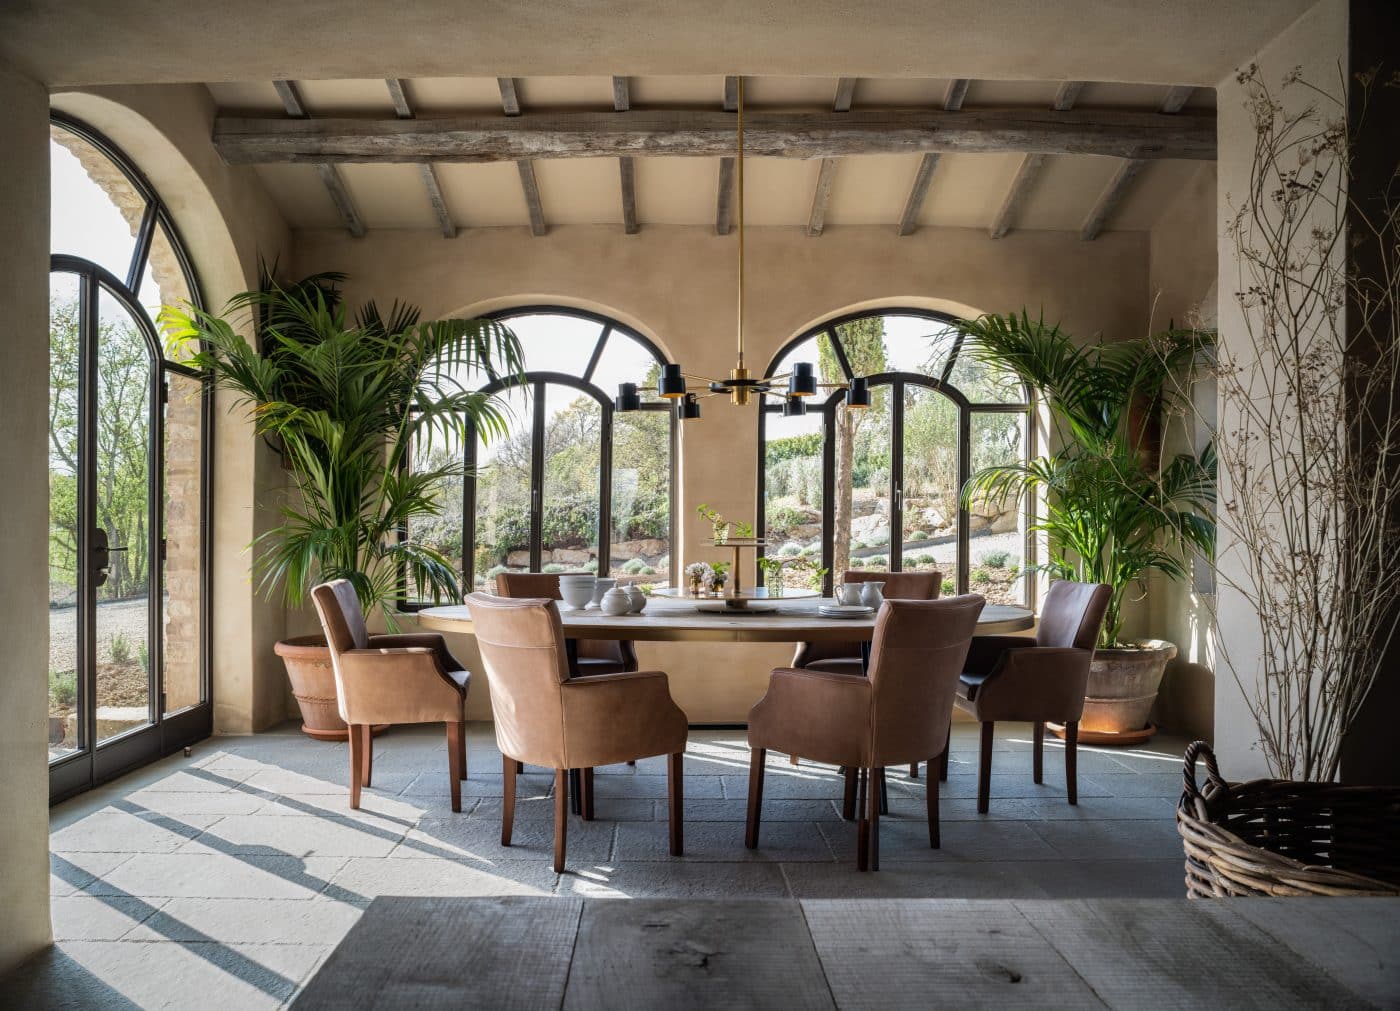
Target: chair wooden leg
872, 817
586, 794
1072, 761
561, 817
454, 761
462, 747
633, 763
520, 767
934, 840
863, 793
1038, 756
947, 750
357, 766
757, 758
913, 770
367, 754
507, 798
793, 760
984, 769
848, 803
675, 796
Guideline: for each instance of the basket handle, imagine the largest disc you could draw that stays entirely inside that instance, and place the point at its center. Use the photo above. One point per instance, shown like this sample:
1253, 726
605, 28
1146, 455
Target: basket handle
1216, 786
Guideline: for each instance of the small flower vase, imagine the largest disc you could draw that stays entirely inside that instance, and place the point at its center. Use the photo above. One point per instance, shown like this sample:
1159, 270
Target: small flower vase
718, 586
697, 586
773, 580
721, 533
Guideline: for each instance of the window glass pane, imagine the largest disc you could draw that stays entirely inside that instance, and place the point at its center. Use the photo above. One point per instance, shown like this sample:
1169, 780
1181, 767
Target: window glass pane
573, 440
861, 508
182, 620
930, 483
997, 531
94, 209
641, 496
556, 343
64, 726
792, 486
162, 280
625, 361
985, 384
917, 344
503, 496
443, 532
123, 458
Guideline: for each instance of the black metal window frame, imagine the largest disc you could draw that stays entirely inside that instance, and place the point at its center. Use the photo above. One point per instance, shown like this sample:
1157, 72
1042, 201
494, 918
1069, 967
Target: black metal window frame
95, 762
897, 382
536, 381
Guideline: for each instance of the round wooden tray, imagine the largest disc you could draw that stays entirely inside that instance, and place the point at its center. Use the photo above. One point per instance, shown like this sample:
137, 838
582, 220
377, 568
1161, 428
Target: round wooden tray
735, 601
1108, 737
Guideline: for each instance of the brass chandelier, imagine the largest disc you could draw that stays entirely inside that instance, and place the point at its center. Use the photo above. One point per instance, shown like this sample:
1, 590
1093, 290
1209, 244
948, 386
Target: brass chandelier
794, 387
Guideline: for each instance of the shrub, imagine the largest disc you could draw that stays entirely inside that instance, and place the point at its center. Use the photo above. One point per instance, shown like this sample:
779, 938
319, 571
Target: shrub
634, 566
949, 588
120, 649
995, 559
857, 563
553, 567
786, 517
879, 539
922, 559
647, 570
981, 576
143, 657
918, 535
877, 561
591, 566
790, 549
63, 688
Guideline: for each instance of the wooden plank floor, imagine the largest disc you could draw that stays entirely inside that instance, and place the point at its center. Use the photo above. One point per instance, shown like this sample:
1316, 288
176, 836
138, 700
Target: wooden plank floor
591, 954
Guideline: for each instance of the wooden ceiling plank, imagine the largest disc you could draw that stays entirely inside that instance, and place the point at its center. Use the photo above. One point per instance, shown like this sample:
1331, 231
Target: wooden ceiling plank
1029, 169
626, 169
1066, 95
1176, 98
403, 108
292, 102
816, 220
510, 102
909, 220
955, 94
531, 189
724, 197
622, 94
845, 91
1109, 199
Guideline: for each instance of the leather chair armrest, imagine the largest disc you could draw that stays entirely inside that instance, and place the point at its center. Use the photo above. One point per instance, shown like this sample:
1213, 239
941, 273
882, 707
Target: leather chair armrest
610, 718
986, 651
398, 685
811, 652
1036, 683
816, 714
425, 640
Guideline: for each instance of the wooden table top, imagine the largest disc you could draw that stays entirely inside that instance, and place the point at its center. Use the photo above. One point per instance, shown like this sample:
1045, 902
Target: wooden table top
678, 621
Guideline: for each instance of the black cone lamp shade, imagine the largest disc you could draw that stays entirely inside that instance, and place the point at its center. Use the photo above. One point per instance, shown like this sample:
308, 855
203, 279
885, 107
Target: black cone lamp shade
627, 398
793, 407
858, 396
802, 383
689, 408
671, 385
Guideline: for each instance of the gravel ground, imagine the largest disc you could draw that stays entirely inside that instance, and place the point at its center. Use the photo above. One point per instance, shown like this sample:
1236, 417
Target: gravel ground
127, 618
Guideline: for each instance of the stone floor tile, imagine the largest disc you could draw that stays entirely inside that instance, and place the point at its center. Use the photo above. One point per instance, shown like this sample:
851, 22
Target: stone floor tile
1109, 840
723, 842
368, 877
735, 809
904, 839
70, 873
1166, 785
128, 831
87, 918
1104, 809
651, 787
217, 875
675, 879
249, 921
180, 805
332, 781
434, 788
1080, 879
606, 809
478, 840
962, 879
294, 836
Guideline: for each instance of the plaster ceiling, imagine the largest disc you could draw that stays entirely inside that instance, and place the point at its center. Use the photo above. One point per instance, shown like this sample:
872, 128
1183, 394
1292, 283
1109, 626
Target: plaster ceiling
86, 42
966, 192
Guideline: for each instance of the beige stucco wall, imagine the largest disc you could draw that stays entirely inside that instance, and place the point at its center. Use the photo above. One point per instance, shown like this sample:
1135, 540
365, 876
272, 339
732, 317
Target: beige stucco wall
1316, 43
228, 223
24, 361
677, 285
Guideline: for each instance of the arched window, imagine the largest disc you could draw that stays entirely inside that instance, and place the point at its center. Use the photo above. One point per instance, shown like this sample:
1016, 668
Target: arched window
879, 488
573, 486
128, 465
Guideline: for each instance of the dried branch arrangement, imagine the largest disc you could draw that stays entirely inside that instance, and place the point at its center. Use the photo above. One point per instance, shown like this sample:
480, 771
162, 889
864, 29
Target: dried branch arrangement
1309, 437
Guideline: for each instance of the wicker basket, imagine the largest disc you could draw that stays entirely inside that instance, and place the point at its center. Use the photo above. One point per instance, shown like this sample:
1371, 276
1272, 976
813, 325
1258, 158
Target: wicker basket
1278, 837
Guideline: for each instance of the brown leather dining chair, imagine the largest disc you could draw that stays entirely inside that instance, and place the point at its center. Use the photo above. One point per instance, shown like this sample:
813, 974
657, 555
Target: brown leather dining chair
845, 657
547, 718
1040, 680
898, 714
404, 678
595, 656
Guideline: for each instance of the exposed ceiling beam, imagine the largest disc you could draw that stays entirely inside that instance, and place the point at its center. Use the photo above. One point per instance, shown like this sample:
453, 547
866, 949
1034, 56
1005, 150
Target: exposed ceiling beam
914, 203
626, 170
701, 133
1122, 181
510, 105
330, 176
724, 198
404, 109
816, 221
1030, 167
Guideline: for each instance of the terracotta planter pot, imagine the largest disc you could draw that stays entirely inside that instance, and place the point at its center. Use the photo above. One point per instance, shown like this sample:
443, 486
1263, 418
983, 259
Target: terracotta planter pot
1122, 687
308, 663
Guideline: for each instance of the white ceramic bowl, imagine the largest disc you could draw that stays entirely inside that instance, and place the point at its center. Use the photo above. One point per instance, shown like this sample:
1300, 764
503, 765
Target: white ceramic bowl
577, 591
602, 585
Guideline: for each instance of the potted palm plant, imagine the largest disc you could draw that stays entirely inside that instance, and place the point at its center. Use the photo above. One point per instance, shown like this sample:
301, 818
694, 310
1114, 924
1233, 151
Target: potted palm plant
347, 399
1114, 509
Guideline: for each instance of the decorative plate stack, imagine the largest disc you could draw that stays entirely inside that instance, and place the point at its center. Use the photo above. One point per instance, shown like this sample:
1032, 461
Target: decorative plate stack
845, 611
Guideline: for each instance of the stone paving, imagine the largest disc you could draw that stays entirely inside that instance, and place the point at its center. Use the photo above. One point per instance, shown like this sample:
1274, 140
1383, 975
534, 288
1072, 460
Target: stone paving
229, 876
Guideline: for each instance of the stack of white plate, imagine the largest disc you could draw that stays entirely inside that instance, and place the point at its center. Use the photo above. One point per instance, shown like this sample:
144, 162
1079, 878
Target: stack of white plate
845, 611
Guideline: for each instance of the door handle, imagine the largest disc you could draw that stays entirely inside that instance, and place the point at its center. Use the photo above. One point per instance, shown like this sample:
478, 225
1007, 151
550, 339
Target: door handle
102, 555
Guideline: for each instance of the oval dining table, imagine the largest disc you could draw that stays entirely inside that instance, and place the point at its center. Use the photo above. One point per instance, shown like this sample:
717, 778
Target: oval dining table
681, 619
